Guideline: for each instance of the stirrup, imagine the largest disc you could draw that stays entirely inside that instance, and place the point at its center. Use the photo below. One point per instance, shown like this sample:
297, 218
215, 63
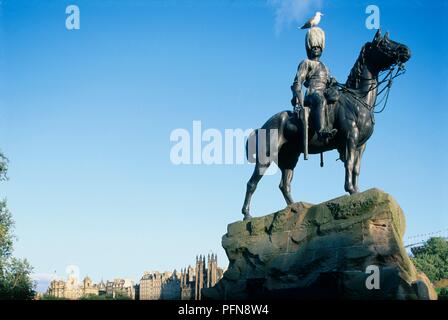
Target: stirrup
332, 132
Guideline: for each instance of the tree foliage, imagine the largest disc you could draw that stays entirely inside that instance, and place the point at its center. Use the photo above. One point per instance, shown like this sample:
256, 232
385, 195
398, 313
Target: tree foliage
15, 280
432, 258
442, 293
3, 167
105, 297
50, 297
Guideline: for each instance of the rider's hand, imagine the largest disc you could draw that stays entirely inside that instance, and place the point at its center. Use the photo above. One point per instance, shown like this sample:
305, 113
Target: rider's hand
297, 109
332, 81
295, 102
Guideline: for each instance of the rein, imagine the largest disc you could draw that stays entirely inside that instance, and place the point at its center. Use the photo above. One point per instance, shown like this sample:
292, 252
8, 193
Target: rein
389, 77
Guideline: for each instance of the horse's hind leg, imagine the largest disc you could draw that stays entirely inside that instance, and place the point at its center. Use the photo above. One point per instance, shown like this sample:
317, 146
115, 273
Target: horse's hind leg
259, 170
357, 167
350, 163
285, 185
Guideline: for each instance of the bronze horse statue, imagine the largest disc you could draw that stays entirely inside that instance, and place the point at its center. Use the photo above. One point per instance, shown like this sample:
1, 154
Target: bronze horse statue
352, 116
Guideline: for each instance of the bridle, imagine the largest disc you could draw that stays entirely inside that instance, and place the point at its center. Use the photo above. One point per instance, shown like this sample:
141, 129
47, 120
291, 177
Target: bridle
395, 70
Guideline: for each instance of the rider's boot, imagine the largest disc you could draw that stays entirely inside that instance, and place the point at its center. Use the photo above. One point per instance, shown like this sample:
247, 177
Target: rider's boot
326, 134
323, 133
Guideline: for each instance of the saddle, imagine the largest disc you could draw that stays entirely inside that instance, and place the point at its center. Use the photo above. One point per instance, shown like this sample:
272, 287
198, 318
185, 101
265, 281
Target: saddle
331, 94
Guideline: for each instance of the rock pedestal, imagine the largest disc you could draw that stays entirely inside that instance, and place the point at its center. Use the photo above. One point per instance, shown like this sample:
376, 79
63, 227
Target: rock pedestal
346, 248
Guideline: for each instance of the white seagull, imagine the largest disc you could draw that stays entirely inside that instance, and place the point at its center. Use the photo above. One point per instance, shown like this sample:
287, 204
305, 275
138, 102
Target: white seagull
314, 21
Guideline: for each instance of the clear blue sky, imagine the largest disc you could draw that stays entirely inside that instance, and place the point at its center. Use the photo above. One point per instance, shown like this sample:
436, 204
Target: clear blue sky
86, 116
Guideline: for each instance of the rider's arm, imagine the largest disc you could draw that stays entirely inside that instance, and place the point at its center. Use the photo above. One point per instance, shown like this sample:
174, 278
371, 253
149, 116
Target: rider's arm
296, 87
330, 80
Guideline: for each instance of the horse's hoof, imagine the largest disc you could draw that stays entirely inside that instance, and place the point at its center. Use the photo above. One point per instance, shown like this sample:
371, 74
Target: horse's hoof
349, 189
247, 217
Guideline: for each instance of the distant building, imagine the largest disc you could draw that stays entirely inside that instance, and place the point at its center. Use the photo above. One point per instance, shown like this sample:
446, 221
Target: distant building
71, 289
88, 288
171, 288
159, 286
192, 281
102, 288
155, 285
120, 287
137, 291
187, 283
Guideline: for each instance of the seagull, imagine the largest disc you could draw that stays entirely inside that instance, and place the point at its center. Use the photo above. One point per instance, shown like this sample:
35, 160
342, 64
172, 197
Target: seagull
314, 21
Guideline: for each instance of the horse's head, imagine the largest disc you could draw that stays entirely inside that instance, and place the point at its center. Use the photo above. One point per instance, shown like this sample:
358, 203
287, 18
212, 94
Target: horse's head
382, 52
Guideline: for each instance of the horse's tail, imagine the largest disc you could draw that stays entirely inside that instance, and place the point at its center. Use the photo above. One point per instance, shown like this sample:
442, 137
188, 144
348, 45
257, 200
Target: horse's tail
252, 139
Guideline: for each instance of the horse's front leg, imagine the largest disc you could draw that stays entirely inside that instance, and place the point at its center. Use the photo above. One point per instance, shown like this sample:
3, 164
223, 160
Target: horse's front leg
258, 173
357, 166
285, 185
350, 162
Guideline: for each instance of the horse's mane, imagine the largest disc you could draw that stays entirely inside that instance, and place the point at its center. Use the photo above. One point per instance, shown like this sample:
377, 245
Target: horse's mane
354, 76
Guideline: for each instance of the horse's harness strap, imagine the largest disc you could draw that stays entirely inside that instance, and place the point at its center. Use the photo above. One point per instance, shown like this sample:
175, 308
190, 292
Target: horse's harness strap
388, 78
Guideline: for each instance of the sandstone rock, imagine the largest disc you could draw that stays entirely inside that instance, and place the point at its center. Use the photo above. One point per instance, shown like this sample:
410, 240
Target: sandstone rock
322, 251
441, 283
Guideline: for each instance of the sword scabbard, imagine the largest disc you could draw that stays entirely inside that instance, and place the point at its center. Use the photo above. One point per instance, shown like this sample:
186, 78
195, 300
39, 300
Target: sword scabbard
304, 116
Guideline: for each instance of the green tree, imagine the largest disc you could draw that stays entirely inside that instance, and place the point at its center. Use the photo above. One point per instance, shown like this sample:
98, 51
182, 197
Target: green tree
105, 297
94, 297
121, 296
432, 258
50, 297
15, 280
3, 167
442, 293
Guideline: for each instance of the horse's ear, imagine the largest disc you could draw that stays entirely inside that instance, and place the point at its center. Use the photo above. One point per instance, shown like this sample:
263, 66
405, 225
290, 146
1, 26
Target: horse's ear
377, 37
386, 36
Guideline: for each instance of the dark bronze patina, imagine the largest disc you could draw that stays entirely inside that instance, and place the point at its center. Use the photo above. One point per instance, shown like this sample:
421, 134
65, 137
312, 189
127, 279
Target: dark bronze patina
351, 115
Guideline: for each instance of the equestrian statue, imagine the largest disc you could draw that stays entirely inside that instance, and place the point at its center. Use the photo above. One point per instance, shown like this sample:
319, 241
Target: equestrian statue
341, 115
